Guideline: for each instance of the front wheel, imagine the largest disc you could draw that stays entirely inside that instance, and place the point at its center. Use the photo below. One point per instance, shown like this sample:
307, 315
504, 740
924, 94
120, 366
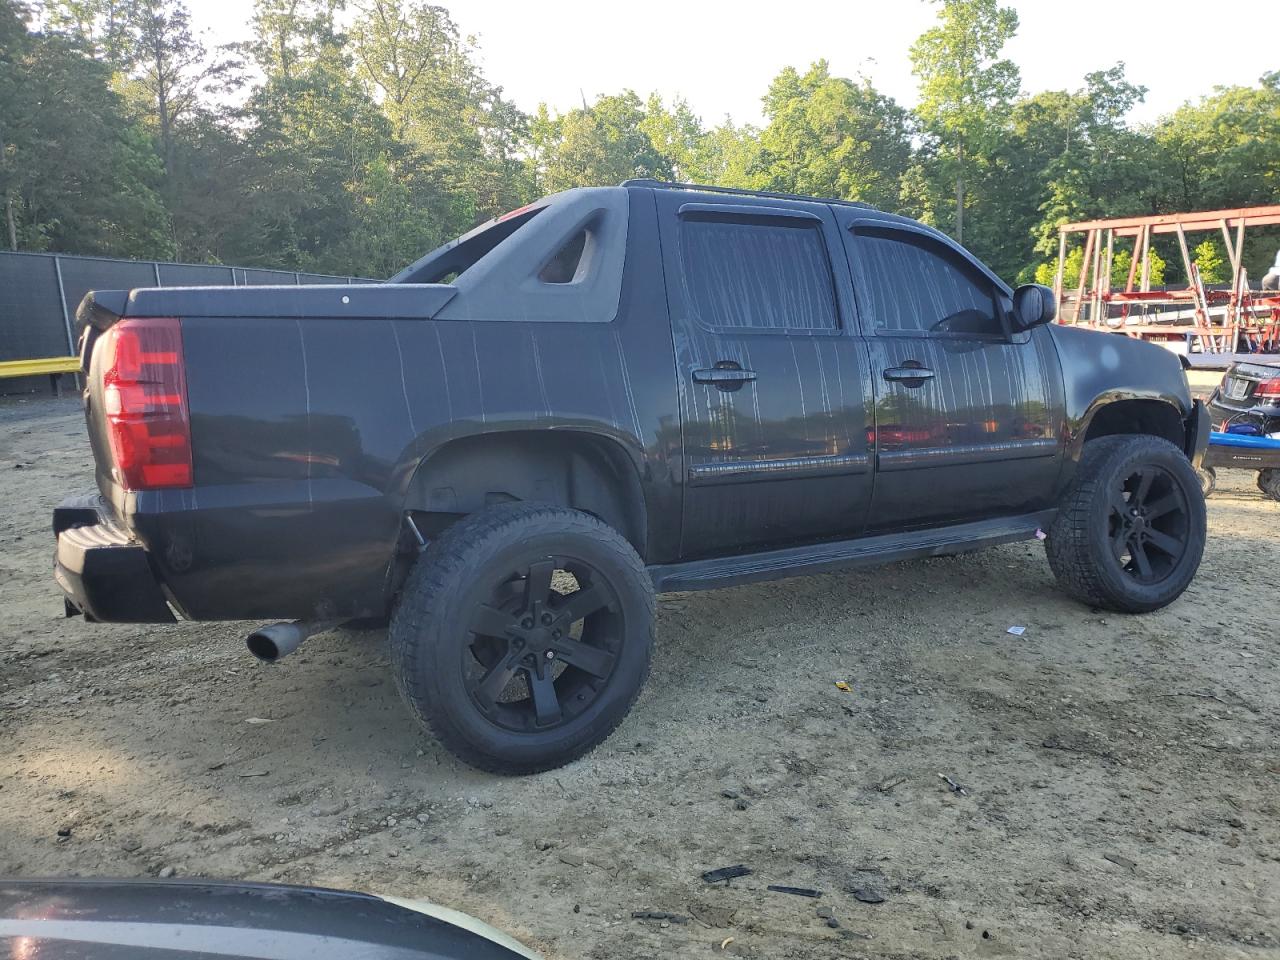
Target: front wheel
1130, 531
523, 636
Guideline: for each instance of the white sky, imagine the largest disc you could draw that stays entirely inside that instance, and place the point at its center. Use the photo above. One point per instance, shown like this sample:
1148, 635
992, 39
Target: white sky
721, 56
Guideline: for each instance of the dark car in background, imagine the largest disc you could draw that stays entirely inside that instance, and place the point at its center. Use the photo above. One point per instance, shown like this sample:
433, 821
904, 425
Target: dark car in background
1246, 408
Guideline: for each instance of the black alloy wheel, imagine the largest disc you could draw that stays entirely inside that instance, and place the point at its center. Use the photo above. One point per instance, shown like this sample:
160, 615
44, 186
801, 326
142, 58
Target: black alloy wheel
1149, 525
544, 644
1130, 527
523, 635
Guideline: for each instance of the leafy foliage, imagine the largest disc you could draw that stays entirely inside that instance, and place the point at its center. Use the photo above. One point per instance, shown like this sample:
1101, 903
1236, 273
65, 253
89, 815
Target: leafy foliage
965, 87
352, 140
831, 137
1211, 263
75, 171
603, 143
1045, 273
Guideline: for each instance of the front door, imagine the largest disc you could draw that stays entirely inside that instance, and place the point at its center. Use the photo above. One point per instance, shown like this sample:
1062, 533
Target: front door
967, 414
773, 381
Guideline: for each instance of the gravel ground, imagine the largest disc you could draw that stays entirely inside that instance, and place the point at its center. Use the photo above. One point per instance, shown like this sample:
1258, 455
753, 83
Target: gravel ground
1120, 775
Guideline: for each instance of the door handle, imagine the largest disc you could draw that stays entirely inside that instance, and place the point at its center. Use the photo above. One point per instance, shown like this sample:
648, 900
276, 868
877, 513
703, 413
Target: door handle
724, 376
909, 376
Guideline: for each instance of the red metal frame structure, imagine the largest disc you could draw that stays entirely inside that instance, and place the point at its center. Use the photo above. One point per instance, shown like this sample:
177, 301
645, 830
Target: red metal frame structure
1223, 319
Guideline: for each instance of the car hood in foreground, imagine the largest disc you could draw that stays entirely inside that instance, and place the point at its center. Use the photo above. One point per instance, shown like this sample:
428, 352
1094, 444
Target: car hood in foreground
190, 919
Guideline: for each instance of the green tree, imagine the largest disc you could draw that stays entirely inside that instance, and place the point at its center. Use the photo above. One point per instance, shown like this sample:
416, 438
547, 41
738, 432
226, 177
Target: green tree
829, 136
1224, 150
387, 229
1209, 260
102, 27
1046, 273
1105, 168
13, 49
465, 136
678, 135
965, 88
598, 145
287, 33
317, 145
75, 173
731, 154
170, 68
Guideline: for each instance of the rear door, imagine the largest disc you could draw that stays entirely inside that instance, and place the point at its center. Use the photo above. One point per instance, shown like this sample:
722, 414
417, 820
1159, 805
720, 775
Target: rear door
967, 414
773, 381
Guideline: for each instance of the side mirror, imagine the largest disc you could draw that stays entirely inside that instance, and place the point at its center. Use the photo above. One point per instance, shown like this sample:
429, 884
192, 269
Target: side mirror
1033, 304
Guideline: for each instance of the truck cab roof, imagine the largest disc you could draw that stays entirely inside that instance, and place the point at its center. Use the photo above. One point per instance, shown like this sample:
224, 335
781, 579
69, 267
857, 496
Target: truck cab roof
564, 254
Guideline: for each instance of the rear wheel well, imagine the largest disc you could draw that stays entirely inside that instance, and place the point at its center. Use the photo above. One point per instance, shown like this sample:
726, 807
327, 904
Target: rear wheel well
583, 471
1150, 417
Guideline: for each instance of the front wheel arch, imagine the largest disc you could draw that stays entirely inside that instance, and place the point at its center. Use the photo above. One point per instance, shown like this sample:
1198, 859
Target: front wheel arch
1156, 418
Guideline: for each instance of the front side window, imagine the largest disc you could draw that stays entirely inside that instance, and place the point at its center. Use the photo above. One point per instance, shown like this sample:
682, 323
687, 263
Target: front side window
747, 275
912, 284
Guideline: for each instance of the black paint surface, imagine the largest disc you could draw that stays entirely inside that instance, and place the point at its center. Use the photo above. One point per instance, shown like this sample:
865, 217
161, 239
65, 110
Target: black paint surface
747, 413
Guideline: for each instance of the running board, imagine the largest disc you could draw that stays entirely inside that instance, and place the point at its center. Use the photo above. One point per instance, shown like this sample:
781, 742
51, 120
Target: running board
843, 554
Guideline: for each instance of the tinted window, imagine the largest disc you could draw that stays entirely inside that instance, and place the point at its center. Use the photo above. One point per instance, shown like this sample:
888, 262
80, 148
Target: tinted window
563, 267
766, 276
913, 284
450, 262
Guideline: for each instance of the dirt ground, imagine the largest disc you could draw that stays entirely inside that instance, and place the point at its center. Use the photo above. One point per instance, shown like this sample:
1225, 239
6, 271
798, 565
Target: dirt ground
1121, 775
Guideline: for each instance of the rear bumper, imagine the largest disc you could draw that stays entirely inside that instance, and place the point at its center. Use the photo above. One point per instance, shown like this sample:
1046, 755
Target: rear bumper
104, 573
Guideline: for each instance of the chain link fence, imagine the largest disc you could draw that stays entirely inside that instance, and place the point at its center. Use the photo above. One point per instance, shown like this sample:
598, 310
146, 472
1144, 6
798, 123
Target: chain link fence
39, 293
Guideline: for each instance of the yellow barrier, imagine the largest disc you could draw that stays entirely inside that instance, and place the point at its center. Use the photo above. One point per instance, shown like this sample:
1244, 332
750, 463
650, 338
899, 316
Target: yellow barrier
50, 366
35, 368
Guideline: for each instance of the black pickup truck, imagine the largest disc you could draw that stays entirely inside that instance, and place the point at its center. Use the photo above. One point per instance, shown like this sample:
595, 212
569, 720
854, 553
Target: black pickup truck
511, 446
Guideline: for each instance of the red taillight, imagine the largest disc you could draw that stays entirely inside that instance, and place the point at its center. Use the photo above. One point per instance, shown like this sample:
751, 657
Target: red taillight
1268, 388
513, 213
144, 397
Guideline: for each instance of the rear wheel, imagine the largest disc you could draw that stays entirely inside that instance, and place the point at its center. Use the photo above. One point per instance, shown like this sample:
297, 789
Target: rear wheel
1269, 482
523, 636
1131, 528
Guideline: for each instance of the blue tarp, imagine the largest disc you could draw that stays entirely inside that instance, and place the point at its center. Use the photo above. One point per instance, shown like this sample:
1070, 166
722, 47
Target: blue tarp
1246, 440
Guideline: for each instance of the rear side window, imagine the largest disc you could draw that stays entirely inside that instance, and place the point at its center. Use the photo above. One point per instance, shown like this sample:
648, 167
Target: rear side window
450, 262
564, 266
912, 284
748, 275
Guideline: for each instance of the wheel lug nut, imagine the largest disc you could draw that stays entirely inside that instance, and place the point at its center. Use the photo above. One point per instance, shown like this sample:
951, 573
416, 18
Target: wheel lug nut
546, 618
551, 655
555, 634
527, 623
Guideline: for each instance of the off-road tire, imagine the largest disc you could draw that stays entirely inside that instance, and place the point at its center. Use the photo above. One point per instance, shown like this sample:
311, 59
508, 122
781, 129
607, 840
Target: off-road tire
430, 632
1269, 482
1080, 541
